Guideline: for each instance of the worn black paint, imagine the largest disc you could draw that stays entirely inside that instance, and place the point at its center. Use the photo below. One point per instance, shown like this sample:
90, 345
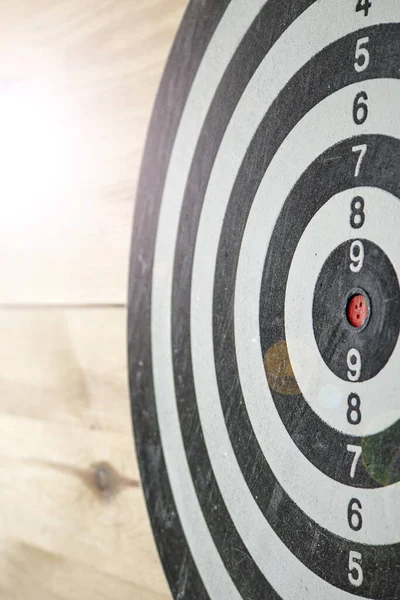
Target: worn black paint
325, 177
324, 446
198, 27
266, 29
333, 333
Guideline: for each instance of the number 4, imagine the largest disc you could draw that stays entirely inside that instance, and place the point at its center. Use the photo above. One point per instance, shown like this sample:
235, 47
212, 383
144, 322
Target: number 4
364, 5
357, 450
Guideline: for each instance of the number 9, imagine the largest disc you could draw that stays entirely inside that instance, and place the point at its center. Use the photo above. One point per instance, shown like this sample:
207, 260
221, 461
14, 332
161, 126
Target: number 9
354, 365
357, 255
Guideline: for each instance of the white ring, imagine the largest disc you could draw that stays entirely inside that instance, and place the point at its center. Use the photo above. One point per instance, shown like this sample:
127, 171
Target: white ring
325, 21
319, 496
233, 26
317, 242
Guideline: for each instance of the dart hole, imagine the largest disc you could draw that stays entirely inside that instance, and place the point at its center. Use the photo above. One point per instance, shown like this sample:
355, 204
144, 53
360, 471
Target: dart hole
358, 309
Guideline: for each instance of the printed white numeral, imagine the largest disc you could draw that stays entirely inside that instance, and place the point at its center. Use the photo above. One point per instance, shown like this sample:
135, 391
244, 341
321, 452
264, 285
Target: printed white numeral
355, 569
362, 149
362, 55
357, 255
357, 450
354, 364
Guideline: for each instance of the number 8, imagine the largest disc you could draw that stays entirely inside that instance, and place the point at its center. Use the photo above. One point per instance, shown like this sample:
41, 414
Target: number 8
357, 216
354, 411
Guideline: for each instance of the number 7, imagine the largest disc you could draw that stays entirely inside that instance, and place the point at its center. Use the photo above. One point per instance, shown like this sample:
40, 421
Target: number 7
357, 453
362, 149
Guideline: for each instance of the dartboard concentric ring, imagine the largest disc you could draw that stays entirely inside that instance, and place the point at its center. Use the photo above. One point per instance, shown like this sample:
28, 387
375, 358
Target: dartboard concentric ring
267, 429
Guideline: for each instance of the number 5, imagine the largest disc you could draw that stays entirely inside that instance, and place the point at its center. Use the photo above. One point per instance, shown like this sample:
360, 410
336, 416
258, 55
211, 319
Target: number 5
355, 566
362, 55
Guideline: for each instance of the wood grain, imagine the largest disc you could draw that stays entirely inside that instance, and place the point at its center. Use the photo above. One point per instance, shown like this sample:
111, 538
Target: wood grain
73, 521
78, 80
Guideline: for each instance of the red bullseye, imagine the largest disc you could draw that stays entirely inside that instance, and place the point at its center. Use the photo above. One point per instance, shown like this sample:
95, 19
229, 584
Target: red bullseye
358, 310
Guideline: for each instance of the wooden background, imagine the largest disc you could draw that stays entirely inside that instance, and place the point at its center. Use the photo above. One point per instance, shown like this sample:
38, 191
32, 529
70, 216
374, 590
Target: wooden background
77, 83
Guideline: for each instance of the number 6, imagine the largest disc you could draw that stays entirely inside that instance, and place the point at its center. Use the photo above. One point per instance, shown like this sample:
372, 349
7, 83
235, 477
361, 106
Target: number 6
353, 512
360, 108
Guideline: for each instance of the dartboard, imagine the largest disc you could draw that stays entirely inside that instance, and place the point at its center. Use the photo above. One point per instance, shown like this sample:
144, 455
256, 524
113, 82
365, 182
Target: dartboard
264, 303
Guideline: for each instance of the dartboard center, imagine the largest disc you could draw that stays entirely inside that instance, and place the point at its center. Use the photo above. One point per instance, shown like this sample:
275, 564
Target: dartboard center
358, 309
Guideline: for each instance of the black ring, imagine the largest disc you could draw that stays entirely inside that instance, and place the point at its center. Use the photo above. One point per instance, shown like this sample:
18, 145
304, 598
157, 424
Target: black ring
290, 523
199, 25
290, 106
200, 22
336, 284
272, 21
324, 446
